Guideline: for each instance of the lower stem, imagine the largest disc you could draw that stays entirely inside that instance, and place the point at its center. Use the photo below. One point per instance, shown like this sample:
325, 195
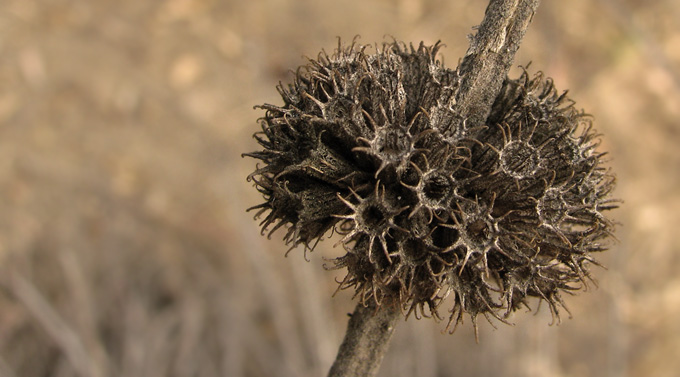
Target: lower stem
368, 335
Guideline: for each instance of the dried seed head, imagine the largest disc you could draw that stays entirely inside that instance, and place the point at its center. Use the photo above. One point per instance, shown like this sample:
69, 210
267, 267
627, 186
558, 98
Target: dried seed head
369, 145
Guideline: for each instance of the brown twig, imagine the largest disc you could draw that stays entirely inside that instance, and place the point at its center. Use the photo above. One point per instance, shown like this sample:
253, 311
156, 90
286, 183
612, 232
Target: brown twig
488, 60
368, 335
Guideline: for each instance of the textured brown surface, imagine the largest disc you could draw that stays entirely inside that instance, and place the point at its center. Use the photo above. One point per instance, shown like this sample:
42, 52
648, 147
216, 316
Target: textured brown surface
122, 190
490, 56
366, 341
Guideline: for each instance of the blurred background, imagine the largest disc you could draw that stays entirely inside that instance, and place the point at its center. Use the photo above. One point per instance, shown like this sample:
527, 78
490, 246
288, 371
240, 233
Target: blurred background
125, 249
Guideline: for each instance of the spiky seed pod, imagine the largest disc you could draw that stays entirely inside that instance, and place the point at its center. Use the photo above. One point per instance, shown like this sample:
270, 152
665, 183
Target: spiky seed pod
370, 145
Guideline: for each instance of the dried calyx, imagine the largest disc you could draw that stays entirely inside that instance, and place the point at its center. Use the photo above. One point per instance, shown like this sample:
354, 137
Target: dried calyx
371, 145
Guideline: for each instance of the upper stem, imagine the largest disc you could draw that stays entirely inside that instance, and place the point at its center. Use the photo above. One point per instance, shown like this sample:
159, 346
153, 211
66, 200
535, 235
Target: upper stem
489, 58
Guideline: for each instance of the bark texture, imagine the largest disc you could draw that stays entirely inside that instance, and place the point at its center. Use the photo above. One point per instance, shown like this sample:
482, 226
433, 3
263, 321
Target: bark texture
368, 334
488, 60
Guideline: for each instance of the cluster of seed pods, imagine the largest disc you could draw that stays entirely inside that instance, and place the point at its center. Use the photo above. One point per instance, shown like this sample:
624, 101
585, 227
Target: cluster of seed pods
371, 146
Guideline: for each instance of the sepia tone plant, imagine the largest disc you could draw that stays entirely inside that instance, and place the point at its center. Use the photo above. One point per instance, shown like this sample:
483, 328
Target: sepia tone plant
373, 143
368, 145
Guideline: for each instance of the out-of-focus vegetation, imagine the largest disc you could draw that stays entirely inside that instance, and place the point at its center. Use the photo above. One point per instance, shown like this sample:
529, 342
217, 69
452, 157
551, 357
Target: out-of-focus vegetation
125, 249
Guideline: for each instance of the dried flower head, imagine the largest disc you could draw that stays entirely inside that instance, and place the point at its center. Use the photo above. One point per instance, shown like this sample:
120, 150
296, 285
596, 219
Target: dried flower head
369, 145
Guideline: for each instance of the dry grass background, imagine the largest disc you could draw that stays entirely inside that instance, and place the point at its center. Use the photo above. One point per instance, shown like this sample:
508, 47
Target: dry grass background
124, 246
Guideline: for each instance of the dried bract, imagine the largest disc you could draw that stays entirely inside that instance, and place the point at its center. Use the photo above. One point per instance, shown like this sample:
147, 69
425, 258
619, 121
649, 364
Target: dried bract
370, 145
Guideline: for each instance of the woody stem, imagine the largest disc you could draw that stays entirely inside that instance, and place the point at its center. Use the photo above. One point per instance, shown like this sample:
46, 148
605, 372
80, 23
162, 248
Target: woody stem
368, 335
